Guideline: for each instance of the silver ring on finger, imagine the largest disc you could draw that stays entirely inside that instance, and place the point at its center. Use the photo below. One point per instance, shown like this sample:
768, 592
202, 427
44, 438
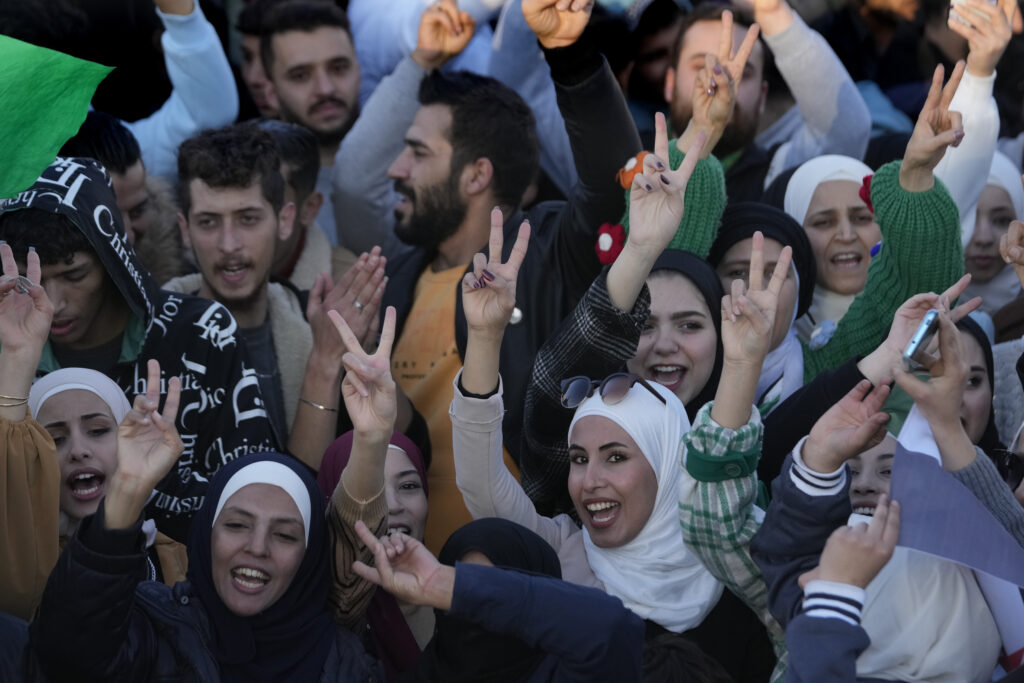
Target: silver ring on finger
358, 305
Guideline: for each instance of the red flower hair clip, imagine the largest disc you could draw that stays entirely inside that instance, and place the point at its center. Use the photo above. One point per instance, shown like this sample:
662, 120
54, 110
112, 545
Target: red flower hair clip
610, 241
865, 191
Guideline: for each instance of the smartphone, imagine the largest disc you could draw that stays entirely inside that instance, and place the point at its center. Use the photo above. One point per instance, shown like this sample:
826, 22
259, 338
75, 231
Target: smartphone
920, 341
960, 5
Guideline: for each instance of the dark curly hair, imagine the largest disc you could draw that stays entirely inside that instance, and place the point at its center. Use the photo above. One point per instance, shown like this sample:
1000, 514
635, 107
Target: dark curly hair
298, 149
231, 157
489, 120
106, 139
298, 15
54, 236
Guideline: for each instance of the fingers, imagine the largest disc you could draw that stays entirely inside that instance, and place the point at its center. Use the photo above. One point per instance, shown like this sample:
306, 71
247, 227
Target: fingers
1011, 244
497, 240
956, 289
956, 126
387, 333
9, 264
737, 289
954, 82
725, 39
951, 345
934, 91
891, 532
880, 517
373, 288
680, 178
153, 383
964, 309
758, 320
878, 395
348, 338
33, 270
660, 137
781, 271
756, 270
479, 266
316, 295
170, 412
746, 47
518, 254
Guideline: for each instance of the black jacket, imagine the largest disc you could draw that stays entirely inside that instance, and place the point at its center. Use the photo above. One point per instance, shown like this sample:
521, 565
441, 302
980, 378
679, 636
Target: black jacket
99, 621
561, 261
220, 416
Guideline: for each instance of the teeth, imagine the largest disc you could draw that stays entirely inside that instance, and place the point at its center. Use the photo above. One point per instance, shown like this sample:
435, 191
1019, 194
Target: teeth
597, 507
398, 529
846, 257
666, 368
84, 476
253, 573
869, 511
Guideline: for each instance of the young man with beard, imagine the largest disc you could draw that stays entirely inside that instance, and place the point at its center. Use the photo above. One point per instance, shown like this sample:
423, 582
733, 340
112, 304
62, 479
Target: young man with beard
831, 117
110, 316
308, 56
234, 214
472, 149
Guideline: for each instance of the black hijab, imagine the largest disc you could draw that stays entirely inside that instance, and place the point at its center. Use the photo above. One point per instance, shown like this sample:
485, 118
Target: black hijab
705, 279
989, 442
463, 651
290, 640
742, 219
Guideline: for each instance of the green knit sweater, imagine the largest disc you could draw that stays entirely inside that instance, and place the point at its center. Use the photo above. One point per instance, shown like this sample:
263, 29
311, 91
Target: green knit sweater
704, 204
921, 252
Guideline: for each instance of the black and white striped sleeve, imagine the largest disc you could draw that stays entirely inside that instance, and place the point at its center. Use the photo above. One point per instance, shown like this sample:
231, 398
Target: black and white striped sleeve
815, 483
832, 600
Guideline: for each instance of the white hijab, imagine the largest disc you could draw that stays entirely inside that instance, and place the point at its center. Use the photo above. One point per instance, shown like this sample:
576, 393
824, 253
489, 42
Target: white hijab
814, 172
67, 379
783, 371
655, 575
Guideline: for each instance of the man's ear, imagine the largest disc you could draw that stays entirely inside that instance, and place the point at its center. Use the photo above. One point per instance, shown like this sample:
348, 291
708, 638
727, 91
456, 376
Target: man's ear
310, 208
670, 83
477, 176
285, 221
183, 227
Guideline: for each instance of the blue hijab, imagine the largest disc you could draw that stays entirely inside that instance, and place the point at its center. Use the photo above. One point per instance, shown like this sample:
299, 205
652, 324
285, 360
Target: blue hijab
289, 641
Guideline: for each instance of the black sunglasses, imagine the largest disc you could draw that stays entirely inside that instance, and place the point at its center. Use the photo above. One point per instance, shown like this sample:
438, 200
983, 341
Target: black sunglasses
1010, 467
611, 389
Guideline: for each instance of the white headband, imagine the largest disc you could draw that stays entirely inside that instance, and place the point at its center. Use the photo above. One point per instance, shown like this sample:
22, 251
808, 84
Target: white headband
69, 379
275, 474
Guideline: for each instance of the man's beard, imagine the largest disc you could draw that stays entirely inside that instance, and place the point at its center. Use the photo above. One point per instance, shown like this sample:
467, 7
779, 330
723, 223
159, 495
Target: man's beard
324, 138
740, 132
437, 213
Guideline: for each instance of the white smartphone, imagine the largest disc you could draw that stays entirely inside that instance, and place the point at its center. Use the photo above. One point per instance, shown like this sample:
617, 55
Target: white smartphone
961, 6
920, 341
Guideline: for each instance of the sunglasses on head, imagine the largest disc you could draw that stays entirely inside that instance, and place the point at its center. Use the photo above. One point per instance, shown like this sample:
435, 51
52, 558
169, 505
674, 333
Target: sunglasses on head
1010, 467
611, 389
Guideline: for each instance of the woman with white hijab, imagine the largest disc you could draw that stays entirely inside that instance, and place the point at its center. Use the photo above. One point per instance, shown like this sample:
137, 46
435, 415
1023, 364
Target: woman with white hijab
628, 442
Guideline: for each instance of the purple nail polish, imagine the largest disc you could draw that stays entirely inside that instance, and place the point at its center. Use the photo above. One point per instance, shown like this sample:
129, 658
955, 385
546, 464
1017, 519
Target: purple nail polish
718, 69
488, 275
648, 187
711, 91
664, 179
660, 166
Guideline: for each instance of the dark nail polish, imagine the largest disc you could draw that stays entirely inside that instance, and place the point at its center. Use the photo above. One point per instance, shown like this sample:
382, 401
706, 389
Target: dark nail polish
660, 166
664, 179
488, 275
648, 187
476, 285
718, 69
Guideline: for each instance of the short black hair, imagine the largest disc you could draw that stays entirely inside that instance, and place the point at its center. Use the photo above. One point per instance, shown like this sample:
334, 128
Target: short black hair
107, 140
297, 147
298, 15
708, 11
250, 19
489, 120
54, 236
233, 156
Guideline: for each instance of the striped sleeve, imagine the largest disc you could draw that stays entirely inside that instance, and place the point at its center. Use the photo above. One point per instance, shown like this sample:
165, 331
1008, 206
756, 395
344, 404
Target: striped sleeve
832, 600
815, 483
350, 593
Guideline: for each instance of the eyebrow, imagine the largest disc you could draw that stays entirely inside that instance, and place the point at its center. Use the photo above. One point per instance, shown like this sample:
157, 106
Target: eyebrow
246, 513
417, 144
686, 314
406, 473
88, 416
978, 368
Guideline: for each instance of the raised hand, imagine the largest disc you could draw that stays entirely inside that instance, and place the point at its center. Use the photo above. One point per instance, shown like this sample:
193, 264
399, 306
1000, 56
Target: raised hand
937, 127
368, 389
714, 97
735, 61
748, 316
406, 569
987, 29
908, 317
656, 199
148, 446
850, 427
557, 23
444, 33
855, 555
356, 297
939, 397
1011, 247
25, 310
489, 291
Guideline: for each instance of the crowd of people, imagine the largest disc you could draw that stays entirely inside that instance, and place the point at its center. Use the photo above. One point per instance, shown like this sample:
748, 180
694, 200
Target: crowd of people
513, 340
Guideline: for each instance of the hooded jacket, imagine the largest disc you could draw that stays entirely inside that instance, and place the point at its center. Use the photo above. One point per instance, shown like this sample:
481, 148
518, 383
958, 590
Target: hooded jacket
220, 416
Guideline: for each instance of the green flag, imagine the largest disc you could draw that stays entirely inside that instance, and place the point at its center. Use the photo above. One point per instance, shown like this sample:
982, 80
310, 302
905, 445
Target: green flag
44, 97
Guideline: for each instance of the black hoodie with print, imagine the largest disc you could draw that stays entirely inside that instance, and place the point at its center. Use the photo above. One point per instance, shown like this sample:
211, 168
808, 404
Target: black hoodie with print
221, 415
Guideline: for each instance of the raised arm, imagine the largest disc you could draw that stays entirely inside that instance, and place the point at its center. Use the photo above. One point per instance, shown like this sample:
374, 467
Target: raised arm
204, 94
835, 118
30, 499
964, 169
370, 398
361, 191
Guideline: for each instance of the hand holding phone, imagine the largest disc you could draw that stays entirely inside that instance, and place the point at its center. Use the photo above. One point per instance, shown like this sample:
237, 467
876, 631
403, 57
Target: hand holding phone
914, 353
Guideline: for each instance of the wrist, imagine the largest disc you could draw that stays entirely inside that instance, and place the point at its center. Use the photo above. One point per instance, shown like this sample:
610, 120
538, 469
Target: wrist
125, 498
981, 66
179, 7
915, 178
489, 336
439, 589
817, 458
428, 60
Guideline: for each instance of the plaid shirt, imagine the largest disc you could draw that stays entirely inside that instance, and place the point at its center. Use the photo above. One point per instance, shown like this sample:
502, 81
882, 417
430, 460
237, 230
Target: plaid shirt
719, 518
